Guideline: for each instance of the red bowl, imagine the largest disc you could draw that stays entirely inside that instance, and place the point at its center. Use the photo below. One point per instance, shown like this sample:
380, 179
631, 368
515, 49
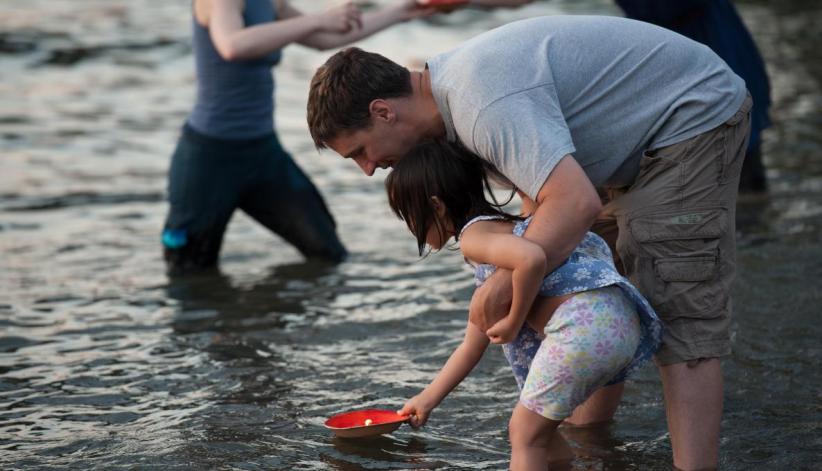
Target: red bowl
441, 3
352, 424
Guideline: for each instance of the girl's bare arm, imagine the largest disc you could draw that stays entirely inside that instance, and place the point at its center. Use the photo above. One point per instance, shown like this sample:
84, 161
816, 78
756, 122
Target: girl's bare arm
484, 242
459, 364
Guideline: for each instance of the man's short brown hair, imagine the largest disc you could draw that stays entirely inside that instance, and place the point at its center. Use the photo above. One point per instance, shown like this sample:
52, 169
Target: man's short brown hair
343, 88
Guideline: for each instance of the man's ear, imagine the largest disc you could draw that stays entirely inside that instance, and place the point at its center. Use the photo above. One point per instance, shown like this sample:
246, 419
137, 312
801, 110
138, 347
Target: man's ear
381, 110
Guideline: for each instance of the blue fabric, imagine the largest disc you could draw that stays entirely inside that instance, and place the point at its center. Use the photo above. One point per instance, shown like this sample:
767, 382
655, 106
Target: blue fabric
589, 266
717, 24
235, 100
521, 351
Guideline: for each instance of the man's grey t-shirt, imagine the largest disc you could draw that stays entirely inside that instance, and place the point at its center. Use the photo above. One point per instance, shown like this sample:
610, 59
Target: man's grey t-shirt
603, 89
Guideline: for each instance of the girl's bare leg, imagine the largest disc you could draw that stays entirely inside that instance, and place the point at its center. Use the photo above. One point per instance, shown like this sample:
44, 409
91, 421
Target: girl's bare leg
599, 408
535, 441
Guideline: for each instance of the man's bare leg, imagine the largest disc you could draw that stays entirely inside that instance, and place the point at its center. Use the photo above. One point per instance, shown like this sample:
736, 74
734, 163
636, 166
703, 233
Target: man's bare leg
693, 406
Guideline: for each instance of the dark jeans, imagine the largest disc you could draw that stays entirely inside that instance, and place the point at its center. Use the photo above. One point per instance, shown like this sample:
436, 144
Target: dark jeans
209, 178
753, 179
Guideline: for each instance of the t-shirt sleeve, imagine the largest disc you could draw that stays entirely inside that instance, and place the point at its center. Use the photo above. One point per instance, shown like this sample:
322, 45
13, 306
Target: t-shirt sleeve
524, 135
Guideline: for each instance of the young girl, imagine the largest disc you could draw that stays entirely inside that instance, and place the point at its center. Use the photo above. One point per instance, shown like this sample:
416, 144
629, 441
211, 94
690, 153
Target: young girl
592, 329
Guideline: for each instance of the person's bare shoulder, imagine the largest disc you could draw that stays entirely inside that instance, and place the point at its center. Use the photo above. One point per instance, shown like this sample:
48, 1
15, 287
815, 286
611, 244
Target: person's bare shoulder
480, 228
204, 9
475, 237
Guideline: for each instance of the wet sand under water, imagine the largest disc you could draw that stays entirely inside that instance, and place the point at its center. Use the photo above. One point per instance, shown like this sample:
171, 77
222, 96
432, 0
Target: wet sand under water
106, 363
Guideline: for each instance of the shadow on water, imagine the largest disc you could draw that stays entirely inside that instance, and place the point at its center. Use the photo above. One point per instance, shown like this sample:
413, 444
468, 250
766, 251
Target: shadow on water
238, 324
596, 446
243, 329
358, 453
213, 301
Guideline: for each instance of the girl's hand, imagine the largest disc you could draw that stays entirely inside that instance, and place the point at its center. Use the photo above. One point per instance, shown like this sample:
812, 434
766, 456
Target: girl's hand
341, 18
419, 408
503, 331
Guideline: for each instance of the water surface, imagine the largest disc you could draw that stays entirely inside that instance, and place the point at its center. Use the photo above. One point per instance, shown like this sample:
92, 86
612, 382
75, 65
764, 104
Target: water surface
106, 363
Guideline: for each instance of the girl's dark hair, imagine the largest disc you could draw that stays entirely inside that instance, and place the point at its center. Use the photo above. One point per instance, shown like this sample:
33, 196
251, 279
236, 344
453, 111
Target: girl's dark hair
451, 173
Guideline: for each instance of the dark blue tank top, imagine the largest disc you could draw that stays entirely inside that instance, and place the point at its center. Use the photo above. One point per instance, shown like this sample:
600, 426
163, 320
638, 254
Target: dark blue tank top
235, 100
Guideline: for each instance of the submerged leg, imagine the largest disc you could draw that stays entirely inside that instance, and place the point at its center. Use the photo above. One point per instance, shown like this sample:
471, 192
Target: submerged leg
536, 441
286, 202
693, 405
599, 408
203, 191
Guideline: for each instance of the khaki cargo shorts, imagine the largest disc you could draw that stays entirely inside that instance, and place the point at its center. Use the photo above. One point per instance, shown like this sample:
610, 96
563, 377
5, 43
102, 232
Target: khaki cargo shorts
673, 235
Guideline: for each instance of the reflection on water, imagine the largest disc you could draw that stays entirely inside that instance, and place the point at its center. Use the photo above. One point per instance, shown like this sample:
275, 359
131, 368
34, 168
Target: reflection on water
354, 454
213, 302
105, 363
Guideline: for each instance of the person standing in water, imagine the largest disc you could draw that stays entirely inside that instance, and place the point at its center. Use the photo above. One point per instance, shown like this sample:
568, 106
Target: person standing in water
566, 107
590, 327
228, 155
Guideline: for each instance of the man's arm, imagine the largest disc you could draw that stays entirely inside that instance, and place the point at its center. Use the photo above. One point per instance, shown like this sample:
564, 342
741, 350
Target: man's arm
567, 205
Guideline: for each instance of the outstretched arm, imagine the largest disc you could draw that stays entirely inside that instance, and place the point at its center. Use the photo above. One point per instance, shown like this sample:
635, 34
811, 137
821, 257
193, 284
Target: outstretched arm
338, 25
371, 22
567, 206
459, 364
235, 41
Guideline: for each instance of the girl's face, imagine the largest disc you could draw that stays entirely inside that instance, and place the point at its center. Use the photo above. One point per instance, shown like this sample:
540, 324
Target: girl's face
441, 230
434, 238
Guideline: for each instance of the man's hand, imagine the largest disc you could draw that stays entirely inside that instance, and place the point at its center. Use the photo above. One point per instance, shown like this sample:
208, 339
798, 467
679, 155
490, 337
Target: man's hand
491, 301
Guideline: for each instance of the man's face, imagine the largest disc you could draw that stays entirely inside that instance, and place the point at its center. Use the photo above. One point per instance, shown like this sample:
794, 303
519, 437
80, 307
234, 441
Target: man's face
379, 146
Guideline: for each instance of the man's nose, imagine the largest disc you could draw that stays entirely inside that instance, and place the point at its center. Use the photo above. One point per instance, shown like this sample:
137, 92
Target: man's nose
367, 166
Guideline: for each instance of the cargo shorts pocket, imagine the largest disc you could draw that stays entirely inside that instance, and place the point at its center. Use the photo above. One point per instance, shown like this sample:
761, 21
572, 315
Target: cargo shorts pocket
679, 261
